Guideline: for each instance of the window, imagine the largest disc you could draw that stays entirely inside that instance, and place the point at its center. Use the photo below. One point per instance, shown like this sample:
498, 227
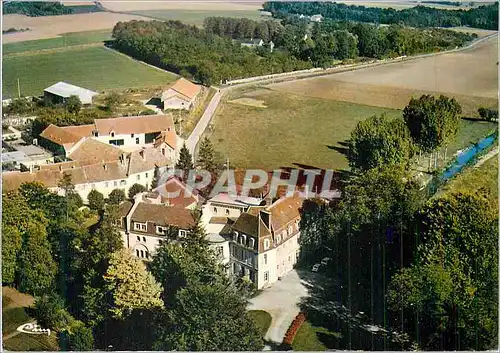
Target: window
278, 238
131, 135
140, 226
147, 255
182, 233
235, 236
266, 244
251, 243
243, 239
119, 142
123, 182
138, 177
266, 276
160, 230
106, 184
163, 151
136, 140
115, 183
227, 212
112, 134
265, 259
138, 238
142, 253
137, 253
220, 251
146, 176
215, 209
144, 239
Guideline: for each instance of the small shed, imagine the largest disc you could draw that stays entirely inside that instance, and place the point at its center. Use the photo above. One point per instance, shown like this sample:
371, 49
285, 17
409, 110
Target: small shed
59, 92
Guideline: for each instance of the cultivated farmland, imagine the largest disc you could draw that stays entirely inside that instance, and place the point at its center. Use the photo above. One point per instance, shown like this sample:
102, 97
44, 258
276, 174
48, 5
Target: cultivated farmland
471, 76
95, 68
53, 26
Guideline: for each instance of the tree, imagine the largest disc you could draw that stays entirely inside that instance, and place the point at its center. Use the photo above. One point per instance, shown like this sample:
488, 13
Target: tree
135, 189
432, 122
77, 337
95, 200
209, 317
11, 245
37, 269
73, 104
452, 284
380, 141
66, 184
207, 156
130, 285
156, 178
116, 197
185, 162
112, 99
50, 312
488, 114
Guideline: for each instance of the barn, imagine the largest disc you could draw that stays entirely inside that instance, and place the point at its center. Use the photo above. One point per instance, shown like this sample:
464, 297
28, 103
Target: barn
59, 92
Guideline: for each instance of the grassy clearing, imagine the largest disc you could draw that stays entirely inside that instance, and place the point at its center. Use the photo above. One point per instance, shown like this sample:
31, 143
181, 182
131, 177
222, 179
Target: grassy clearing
65, 40
191, 118
95, 68
12, 318
262, 318
484, 178
310, 338
196, 17
292, 129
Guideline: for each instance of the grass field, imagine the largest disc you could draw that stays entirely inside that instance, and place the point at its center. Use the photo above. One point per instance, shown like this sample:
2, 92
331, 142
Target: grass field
196, 17
292, 129
262, 318
65, 40
474, 179
95, 68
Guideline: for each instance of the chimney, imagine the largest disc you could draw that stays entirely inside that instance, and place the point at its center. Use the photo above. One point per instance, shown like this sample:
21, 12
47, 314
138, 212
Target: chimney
142, 154
122, 160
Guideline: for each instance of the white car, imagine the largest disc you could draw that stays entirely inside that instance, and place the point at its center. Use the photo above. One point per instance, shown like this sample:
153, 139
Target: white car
316, 268
325, 261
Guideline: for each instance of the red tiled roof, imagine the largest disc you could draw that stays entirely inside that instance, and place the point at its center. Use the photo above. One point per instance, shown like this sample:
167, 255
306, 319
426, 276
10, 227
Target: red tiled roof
134, 124
186, 88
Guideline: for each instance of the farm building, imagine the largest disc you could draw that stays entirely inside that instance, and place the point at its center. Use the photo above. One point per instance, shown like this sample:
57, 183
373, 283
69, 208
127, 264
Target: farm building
316, 18
252, 43
59, 92
181, 95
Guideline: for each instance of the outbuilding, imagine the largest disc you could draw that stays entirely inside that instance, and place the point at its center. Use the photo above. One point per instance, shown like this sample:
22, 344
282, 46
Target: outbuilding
59, 92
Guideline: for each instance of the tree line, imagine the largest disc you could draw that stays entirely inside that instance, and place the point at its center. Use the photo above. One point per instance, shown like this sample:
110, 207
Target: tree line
35, 9
485, 17
94, 294
212, 56
423, 268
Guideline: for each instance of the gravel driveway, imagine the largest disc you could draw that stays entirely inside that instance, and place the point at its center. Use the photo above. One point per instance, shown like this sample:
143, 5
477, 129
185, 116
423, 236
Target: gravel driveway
281, 301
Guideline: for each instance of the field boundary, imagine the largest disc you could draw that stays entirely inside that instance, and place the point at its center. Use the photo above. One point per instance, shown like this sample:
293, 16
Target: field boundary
52, 50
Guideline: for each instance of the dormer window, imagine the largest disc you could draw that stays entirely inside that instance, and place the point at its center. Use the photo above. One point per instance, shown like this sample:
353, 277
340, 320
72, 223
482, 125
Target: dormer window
251, 243
140, 226
235, 236
182, 233
266, 244
112, 134
278, 238
227, 212
243, 239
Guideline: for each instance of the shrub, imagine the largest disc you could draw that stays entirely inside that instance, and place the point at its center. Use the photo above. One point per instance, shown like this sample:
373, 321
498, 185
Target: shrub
135, 189
77, 337
51, 313
294, 328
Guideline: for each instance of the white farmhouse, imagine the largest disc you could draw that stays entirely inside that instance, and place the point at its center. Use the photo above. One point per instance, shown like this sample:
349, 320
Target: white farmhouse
181, 95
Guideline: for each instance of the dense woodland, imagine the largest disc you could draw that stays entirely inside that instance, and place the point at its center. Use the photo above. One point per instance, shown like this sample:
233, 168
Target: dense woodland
35, 9
214, 54
421, 266
485, 17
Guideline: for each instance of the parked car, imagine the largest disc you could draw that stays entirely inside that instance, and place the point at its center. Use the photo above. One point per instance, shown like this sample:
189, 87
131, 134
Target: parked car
316, 267
325, 261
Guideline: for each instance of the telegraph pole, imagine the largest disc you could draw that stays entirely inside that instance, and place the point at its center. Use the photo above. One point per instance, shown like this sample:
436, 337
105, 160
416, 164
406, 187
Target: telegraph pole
18, 89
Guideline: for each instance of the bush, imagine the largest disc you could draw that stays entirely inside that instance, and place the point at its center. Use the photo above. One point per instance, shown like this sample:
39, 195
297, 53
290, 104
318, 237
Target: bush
51, 313
488, 114
77, 337
294, 328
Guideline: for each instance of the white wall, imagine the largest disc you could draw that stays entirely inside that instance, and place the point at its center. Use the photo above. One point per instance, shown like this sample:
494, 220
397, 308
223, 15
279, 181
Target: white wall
270, 267
128, 140
286, 255
176, 103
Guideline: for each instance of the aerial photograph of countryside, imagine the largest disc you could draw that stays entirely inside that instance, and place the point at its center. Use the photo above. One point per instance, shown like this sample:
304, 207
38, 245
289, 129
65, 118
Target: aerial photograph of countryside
250, 175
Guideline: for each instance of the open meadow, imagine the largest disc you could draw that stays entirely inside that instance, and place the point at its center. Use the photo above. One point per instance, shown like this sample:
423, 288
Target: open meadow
290, 130
471, 76
94, 67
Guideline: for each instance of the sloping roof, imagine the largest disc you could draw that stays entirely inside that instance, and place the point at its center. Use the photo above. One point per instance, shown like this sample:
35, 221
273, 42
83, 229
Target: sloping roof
80, 130
238, 200
185, 88
64, 89
104, 171
146, 159
13, 180
247, 224
163, 215
173, 185
134, 124
284, 211
124, 208
60, 136
95, 151
168, 136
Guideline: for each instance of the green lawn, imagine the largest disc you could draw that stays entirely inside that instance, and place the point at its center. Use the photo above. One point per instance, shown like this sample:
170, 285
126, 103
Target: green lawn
196, 17
27, 342
308, 338
95, 68
292, 129
262, 318
65, 40
12, 318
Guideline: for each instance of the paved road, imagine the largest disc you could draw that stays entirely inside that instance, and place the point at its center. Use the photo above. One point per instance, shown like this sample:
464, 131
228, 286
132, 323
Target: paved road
281, 301
198, 131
